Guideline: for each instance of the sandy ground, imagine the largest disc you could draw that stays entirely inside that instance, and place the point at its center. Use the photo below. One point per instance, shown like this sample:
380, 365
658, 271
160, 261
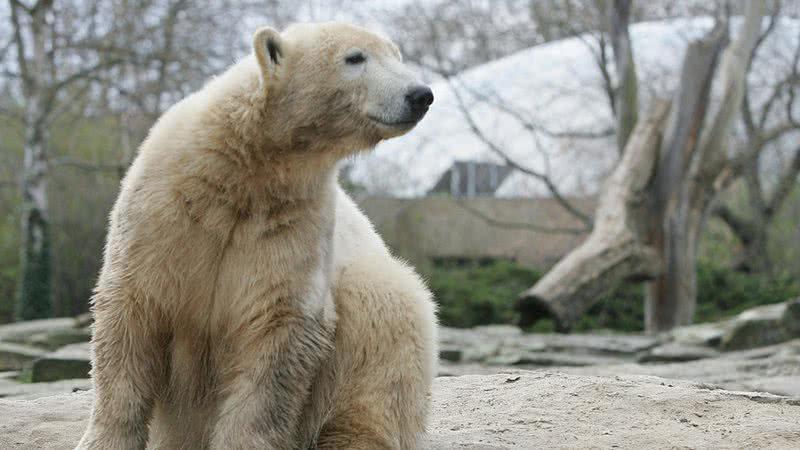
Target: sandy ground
521, 410
530, 410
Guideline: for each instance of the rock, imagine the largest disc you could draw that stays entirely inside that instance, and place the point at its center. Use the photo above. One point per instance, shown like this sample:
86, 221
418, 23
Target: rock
708, 334
526, 410
499, 331
30, 391
480, 352
84, 320
506, 357
755, 327
530, 343
781, 385
739, 370
547, 359
611, 344
19, 332
450, 354
47, 423
675, 352
71, 361
17, 356
551, 410
790, 321
58, 338
447, 369
479, 343
502, 344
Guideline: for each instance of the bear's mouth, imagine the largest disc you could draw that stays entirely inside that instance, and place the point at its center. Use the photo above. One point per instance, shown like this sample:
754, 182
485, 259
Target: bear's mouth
397, 125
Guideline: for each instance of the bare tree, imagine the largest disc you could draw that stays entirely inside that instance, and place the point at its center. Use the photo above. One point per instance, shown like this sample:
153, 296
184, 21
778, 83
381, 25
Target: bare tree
39, 43
61, 53
449, 37
692, 167
768, 122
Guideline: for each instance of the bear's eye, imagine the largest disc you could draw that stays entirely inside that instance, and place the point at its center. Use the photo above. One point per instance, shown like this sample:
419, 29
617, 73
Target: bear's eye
355, 58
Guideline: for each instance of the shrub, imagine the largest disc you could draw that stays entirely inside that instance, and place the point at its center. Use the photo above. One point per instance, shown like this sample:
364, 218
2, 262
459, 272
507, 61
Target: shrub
479, 295
721, 293
470, 296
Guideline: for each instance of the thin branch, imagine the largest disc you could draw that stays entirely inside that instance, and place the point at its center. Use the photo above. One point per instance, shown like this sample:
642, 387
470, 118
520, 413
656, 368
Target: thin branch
569, 207
601, 61
794, 79
20, 42
752, 179
5, 49
741, 227
40, 4
747, 116
69, 102
532, 127
747, 112
786, 183
84, 73
789, 83
511, 225
773, 20
19, 4
777, 132
87, 165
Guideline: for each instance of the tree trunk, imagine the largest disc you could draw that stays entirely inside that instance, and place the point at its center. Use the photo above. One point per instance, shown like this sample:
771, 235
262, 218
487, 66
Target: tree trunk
615, 249
627, 92
33, 286
33, 291
671, 299
755, 254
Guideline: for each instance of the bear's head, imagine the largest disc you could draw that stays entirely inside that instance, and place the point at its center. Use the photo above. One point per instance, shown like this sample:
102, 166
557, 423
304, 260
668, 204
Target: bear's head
337, 87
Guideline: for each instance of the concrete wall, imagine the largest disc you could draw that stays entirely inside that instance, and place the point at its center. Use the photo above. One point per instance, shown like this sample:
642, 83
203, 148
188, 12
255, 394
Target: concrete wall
422, 229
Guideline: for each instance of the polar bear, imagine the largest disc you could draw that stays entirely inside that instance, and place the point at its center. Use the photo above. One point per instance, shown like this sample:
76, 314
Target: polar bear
245, 302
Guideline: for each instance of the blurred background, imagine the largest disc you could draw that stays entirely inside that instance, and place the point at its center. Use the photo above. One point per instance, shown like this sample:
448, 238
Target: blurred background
626, 166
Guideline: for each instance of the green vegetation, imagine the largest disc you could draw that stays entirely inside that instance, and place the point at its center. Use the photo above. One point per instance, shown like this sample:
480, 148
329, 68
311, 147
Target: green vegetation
80, 198
470, 296
722, 292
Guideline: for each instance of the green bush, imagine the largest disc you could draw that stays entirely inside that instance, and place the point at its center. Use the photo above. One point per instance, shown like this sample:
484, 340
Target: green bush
470, 296
722, 293
621, 310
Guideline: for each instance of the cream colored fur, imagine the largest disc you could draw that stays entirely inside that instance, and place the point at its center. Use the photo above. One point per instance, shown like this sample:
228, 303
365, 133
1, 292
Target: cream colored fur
245, 301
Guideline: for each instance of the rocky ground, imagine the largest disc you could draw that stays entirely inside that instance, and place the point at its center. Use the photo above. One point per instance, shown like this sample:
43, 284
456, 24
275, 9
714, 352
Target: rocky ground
734, 384
520, 410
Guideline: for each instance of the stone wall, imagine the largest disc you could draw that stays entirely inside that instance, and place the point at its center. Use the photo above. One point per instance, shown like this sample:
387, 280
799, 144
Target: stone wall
422, 229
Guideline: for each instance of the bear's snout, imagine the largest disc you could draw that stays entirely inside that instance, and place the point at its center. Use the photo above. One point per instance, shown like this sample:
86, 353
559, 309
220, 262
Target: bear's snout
419, 98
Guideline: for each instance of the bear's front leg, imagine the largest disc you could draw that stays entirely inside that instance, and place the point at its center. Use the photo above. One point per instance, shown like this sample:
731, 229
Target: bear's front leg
128, 369
277, 354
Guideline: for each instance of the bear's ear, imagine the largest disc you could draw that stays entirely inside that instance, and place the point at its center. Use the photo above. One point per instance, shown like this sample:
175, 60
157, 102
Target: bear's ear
268, 47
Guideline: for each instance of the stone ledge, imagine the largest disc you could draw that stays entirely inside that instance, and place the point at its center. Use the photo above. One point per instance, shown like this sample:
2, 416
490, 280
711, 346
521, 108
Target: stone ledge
521, 410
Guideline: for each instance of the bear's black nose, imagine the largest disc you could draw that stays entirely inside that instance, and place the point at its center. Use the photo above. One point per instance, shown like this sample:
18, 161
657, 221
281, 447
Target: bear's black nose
419, 98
